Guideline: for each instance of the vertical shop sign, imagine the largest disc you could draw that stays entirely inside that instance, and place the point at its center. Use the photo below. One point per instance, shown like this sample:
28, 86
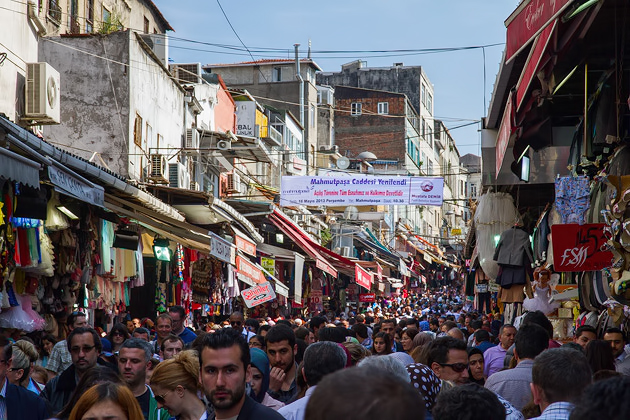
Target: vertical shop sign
297, 278
362, 277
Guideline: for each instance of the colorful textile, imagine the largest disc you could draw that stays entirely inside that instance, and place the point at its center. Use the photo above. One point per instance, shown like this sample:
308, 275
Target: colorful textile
572, 199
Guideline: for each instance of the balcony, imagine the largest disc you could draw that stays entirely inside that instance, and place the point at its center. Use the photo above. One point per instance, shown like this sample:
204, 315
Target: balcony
272, 136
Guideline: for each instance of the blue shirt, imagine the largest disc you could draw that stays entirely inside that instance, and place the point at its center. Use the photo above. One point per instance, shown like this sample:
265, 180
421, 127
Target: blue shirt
556, 411
187, 336
3, 403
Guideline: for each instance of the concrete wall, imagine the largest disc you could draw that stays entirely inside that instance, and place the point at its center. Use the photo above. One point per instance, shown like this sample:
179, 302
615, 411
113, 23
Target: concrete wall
19, 41
100, 101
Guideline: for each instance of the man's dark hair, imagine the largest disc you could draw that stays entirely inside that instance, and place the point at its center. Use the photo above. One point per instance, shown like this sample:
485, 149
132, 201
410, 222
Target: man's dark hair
439, 348
585, 328
538, 318
388, 321
615, 330
606, 399
334, 334
434, 321
177, 309
574, 346
224, 339
317, 321
361, 330
251, 322
7, 348
262, 328
449, 325
322, 358
285, 323
142, 330
138, 343
73, 317
354, 394
280, 332
530, 341
481, 336
170, 339
468, 402
562, 374
85, 330
476, 324
301, 333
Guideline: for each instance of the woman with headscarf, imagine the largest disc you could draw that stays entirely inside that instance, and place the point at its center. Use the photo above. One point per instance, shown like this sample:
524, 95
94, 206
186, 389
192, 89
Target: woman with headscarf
475, 366
260, 379
426, 383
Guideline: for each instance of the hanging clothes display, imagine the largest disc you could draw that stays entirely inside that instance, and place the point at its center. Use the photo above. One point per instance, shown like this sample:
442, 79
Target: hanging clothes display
572, 198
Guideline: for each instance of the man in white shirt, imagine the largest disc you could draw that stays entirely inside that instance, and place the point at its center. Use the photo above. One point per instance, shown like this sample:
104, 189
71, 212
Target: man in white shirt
320, 359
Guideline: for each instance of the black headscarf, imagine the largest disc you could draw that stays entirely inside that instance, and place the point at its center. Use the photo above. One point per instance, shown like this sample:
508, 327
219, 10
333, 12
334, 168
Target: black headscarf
472, 351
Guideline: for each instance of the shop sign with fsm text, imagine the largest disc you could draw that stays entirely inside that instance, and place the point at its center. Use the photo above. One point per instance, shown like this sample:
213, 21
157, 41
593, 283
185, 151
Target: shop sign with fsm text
361, 190
579, 247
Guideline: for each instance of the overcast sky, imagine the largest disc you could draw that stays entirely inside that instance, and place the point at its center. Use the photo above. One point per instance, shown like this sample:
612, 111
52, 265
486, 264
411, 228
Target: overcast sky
270, 28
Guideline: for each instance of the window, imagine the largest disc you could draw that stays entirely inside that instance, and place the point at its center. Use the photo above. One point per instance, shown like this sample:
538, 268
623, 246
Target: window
319, 97
147, 138
312, 115
89, 20
423, 127
107, 17
276, 75
355, 108
423, 94
146, 25
430, 103
54, 11
73, 18
383, 107
137, 131
473, 191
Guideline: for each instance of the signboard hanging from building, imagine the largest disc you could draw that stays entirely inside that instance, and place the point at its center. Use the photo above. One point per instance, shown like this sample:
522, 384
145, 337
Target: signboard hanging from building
579, 247
362, 277
362, 190
258, 294
249, 270
222, 249
268, 264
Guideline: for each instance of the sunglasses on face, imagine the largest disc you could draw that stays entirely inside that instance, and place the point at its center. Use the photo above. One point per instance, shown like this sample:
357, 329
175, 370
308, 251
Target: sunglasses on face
235, 322
86, 349
160, 398
457, 367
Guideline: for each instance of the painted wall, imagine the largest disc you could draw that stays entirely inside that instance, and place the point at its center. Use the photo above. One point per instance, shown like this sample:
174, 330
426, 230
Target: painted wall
19, 41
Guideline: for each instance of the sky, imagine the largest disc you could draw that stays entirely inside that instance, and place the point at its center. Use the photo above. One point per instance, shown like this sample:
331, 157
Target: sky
342, 31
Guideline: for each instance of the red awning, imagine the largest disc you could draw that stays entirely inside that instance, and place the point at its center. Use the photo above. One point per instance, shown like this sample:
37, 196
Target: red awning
528, 20
301, 238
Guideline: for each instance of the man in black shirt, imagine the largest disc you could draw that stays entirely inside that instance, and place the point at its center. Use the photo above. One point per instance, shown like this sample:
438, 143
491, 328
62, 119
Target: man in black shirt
225, 369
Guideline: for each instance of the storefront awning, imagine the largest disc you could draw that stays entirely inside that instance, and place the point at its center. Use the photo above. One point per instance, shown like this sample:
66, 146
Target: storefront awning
17, 168
302, 239
529, 19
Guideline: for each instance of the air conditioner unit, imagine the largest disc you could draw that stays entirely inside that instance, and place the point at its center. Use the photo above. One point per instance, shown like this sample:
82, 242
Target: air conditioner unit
187, 73
224, 145
233, 183
158, 169
178, 176
192, 139
42, 93
346, 251
194, 186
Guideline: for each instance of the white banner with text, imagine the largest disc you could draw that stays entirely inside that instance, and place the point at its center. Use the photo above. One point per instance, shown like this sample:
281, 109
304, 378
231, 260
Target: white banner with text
361, 190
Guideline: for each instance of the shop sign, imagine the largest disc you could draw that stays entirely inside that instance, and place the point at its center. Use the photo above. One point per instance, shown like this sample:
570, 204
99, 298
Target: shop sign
258, 294
379, 272
362, 277
316, 297
76, 186
579, 247
268, 264
245, 245
505, 132
528, 20
249, 270
246, 118
367, 297
222, 249
456, 231
362, 190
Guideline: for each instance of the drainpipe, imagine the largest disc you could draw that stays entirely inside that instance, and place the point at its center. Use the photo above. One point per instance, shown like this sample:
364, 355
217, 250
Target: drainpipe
32, 14
299, 77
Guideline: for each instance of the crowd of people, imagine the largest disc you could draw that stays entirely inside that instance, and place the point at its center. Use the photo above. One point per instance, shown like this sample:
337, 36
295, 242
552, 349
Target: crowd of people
422, 356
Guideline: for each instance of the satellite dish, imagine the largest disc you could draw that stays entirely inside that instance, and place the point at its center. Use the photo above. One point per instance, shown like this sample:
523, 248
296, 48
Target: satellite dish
351, 213
343, 163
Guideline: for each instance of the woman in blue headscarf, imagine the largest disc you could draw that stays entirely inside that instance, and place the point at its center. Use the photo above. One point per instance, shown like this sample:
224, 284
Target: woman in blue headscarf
260, 379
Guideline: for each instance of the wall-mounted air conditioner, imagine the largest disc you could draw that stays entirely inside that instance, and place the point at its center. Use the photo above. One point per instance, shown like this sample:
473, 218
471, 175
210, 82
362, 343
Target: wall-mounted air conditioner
178, 176
192, 139
233, 183
186, 73
42, 93
158, 169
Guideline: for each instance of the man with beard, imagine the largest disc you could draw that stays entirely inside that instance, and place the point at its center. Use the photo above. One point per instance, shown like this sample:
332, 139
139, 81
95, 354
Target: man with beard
281, 350
225, 369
